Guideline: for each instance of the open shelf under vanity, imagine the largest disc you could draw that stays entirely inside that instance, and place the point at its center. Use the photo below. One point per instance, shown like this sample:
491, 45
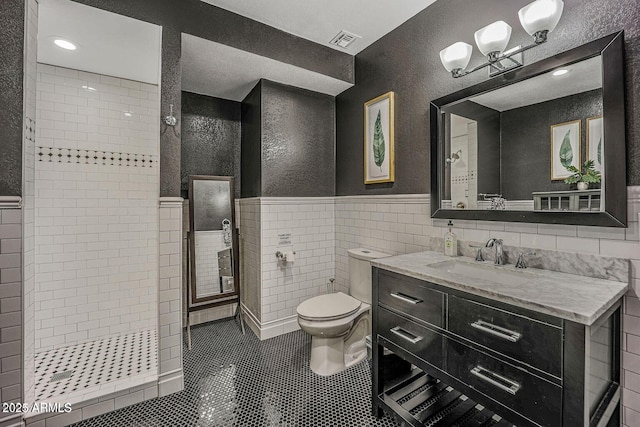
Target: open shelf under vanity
421, 400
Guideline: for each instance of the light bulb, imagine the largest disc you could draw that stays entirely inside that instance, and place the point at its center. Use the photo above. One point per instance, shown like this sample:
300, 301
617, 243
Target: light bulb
456, 56
541, 15
493, 38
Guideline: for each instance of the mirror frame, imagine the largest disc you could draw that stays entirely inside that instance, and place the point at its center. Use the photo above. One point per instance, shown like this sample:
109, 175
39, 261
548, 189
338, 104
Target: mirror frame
611, 50
196, 303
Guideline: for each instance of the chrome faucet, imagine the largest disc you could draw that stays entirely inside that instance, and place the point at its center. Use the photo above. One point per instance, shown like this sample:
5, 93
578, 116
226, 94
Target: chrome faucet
499, 254
521, 262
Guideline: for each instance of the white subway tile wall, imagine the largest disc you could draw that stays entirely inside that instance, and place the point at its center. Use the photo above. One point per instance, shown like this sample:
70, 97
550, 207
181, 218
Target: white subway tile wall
10, 307
96, 225
28, 201
250, 256
306, 227
272, 289
403, 224
87, 111
170, 336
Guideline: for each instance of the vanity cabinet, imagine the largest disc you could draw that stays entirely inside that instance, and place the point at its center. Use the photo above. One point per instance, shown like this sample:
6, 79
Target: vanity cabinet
477, 359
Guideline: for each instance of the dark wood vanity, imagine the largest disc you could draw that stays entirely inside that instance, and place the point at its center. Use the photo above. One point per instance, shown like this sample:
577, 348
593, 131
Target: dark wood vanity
475, 358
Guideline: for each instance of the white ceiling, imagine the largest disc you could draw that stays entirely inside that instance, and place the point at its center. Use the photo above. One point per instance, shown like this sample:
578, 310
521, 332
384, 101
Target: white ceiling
582, 77
107, 43
215, 69
321, 20
118, 46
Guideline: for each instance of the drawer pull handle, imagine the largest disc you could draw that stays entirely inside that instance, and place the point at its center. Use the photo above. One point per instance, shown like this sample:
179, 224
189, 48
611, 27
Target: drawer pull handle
499, 381
496, 331
406, 298
406, 335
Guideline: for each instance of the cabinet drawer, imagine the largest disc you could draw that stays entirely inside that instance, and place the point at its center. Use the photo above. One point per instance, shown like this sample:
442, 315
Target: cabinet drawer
534, 343
414, 338
527, 394
411, 297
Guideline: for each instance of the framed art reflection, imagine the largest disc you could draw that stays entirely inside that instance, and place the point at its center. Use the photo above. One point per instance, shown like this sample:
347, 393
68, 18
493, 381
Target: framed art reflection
565, 149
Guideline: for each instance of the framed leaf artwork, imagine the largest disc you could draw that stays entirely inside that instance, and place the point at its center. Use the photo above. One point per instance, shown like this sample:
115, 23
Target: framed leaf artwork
595, 142
565, 149
378, 139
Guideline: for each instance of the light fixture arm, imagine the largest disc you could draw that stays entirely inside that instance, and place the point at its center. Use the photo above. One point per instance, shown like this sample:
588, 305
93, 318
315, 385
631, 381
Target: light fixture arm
538, 19
540, 38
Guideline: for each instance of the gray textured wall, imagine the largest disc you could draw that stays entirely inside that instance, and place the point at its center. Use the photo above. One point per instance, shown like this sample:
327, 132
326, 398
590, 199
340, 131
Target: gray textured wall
11, 64
298, 142
251, 151
288, 142
526, 146
171, 87
210, 138
407, 61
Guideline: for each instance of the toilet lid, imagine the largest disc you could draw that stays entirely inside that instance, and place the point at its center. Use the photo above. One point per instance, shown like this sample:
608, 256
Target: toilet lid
328, 307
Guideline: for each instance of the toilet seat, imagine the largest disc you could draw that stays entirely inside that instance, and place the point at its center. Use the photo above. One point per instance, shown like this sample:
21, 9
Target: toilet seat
328, 307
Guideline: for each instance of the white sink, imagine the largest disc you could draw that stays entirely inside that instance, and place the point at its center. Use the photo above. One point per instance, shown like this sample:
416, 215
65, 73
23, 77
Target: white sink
485, 272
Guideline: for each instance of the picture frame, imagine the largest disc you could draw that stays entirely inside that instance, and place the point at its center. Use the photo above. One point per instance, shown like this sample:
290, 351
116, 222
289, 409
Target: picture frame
379, 139
565, 148
595, 142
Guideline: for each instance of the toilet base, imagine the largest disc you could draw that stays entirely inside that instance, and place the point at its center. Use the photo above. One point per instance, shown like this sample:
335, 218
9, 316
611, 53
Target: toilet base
328, 355
332, 355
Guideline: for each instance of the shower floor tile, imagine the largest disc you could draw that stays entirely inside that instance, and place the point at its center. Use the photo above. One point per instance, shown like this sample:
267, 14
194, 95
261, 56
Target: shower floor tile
237, 380
96, 366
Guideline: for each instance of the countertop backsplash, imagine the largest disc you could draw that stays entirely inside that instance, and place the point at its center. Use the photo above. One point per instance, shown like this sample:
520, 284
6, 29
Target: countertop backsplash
565, 262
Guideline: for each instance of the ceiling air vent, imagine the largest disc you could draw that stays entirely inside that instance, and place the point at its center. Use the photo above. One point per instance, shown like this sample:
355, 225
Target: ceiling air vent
343, 39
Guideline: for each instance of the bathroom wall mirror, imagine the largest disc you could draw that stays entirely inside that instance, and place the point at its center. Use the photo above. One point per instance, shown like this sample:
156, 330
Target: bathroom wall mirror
501, 150
213, 246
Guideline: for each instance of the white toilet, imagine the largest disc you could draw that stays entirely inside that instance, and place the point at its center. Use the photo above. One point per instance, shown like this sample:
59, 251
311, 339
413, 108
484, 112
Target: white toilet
338, 323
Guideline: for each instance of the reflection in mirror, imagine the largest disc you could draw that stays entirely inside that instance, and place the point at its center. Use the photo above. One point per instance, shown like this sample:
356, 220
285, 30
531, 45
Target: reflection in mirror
213, 241
543, 143
513, 148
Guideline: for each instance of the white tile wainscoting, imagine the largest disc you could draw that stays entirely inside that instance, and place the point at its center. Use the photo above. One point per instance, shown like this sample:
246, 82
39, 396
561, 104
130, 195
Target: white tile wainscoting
170, 372
403, 224
28, 201
273, 289
11, 340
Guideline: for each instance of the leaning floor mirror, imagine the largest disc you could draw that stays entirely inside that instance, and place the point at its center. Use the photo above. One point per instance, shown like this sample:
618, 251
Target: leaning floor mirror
213, 244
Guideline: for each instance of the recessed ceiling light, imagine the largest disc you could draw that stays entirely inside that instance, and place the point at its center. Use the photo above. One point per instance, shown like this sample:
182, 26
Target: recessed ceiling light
128, 113
560, 72
89, 88
65, 44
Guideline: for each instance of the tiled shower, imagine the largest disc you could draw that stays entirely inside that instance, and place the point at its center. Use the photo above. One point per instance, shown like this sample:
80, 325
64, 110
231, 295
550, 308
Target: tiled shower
91, 225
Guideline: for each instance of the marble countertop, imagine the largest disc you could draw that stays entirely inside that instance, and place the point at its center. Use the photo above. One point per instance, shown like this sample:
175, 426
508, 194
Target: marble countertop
576, 298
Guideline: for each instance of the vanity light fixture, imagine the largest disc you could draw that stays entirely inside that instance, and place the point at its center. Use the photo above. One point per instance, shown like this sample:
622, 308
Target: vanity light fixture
65, 44
538, 19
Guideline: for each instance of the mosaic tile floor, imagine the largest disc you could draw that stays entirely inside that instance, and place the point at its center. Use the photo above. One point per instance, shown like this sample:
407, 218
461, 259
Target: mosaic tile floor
236, 380
84, 367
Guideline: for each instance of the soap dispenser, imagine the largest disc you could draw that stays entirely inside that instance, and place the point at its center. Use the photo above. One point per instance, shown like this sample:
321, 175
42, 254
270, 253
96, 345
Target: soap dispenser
450, 242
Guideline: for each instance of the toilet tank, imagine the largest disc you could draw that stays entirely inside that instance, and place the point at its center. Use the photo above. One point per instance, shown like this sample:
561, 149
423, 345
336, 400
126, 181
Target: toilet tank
360, 272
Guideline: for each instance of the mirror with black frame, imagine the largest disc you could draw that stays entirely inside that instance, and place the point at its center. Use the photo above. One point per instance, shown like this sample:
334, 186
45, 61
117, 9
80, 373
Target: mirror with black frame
213, 246
543, 143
